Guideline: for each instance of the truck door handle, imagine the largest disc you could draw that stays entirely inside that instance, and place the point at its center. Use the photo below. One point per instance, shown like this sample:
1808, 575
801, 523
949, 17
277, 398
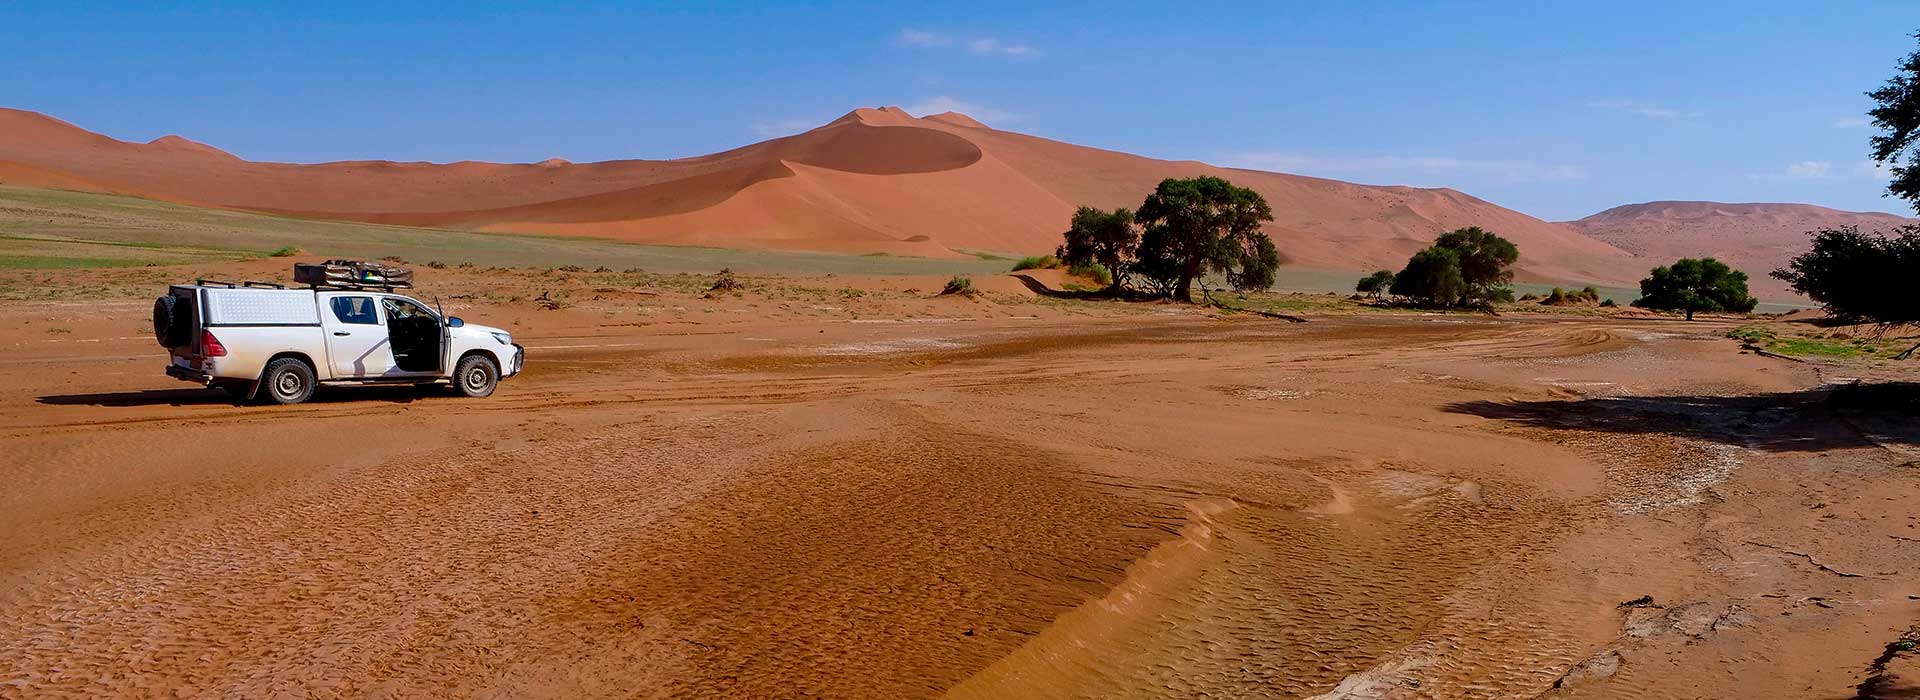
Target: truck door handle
341, 333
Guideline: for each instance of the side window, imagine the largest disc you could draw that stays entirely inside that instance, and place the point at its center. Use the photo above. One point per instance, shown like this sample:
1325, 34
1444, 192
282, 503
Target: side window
354, 310
400, 309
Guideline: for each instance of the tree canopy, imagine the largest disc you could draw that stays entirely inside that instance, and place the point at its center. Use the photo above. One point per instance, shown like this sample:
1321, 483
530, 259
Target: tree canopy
1204, 224
1897, 115
1695, 284
1860, 277
1465, 266
1102, 238
1375, 284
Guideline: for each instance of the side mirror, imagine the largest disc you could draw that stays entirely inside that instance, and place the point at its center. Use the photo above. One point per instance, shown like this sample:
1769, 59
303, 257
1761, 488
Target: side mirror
455, 322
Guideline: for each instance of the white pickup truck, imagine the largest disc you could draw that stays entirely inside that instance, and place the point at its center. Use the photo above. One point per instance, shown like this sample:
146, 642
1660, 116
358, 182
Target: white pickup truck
263, 342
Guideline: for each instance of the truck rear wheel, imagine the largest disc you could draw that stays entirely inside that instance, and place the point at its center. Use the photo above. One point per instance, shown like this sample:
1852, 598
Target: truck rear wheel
476, 376
287, 381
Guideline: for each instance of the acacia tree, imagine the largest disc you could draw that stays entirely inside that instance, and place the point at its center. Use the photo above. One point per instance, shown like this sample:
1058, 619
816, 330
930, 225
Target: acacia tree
1198, 225
1897, 115
1432, 276
1690, 285
1486, 261
1104, 238
1860, 277
1375, 284
1462, 267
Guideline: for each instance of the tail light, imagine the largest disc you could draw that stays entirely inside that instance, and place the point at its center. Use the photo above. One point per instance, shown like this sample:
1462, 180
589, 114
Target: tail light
210, 346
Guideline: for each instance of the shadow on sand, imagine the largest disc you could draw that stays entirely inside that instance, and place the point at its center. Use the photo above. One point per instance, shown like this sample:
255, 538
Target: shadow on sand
200, 397
1856, 415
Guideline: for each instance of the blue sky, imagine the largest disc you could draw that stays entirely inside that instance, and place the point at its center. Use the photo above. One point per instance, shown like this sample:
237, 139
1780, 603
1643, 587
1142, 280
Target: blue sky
1555, 109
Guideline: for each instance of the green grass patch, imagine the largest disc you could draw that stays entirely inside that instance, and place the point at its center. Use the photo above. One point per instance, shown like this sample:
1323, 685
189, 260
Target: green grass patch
1037, 262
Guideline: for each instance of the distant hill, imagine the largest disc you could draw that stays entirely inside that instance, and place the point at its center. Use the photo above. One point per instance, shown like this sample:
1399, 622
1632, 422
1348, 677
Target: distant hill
1756, 238
874, 180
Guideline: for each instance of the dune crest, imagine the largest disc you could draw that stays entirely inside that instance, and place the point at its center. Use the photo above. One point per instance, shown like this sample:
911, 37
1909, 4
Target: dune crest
877, 179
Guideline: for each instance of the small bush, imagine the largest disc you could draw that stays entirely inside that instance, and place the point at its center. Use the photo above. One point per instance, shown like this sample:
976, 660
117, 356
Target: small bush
572, 268
437, 265
466, 266
286, 252
1608, 304
1037, 262
961, 285
395, 259
723, 283
1094, 271
603, 268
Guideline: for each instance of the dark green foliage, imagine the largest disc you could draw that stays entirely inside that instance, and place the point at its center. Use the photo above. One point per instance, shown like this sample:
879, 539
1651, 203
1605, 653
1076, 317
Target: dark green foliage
1897, 115
1462, 267
1486, 260
1375, 284
1107, 239
1204, 224
1431, 276
1860, 277
1690, 285
1250, 264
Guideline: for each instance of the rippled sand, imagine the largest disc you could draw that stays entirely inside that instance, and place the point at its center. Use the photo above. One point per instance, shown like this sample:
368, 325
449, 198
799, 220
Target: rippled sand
1166, 506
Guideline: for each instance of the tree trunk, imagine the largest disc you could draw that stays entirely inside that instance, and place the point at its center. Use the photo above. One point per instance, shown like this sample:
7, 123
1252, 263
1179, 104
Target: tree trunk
1689, 313
1184, 292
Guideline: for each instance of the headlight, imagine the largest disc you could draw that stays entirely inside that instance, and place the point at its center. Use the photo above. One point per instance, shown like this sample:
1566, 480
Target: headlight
505, 339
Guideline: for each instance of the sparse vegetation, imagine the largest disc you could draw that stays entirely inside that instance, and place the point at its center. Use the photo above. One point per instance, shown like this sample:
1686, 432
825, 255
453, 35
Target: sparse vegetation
1690, 285
961, 285
1562, 297
1836, 345
1037, 262
285, 252
1094, 271
436, 265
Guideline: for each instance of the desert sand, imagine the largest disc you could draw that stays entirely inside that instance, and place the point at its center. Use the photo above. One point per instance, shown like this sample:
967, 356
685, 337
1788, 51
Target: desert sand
852, 487
877, 180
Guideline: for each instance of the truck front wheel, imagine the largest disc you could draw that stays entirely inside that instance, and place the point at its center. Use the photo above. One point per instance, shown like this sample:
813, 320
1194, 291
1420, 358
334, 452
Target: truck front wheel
287, 381
476, 376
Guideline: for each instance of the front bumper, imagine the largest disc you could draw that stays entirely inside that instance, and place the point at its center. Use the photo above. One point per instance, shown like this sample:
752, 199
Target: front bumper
189, 375
519, 361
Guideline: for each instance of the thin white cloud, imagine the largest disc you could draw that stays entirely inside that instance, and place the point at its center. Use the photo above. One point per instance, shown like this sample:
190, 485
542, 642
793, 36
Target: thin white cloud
1508, 170
1640, 109
1850, 123
979, 46
782, 127
1809, 168
992, 46
916, 37
942, 103
1867, 168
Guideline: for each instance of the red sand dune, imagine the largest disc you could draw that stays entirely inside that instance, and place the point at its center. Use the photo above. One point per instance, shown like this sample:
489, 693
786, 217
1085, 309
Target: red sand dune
875, 180
1755, 238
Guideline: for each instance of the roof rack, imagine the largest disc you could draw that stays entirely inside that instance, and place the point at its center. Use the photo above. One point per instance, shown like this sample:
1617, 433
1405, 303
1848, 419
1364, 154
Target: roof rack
388, 288
250, 284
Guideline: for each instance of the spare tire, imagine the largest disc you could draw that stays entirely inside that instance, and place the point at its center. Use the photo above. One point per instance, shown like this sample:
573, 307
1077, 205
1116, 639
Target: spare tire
171, 321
